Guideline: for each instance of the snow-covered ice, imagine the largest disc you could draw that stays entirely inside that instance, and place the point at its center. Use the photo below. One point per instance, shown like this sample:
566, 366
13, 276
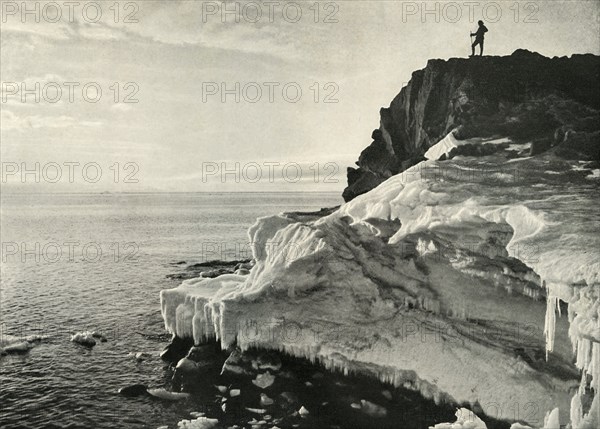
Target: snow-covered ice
465, 419
443, 147
85, 338
199, 423
436, 285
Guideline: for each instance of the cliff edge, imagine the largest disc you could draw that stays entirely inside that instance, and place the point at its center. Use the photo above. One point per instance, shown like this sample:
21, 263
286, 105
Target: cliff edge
524, 96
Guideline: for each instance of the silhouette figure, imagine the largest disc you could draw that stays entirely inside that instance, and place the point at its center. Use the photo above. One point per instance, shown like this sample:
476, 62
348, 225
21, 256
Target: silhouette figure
479, 36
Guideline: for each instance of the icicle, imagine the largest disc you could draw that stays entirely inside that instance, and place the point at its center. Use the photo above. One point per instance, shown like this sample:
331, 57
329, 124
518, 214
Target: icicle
550, 323
576, 410
552, 421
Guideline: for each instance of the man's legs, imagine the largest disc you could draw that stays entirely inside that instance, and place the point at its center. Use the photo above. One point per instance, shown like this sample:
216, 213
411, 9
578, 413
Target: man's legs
480, 48
473, 48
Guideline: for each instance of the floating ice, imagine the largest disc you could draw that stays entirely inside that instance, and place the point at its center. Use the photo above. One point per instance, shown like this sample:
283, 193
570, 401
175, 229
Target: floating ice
12, 345
18, 347
140, 356
264, 380
371, 409
465, 419
199, 423
519, 426
170, 396
265, 401
84, 338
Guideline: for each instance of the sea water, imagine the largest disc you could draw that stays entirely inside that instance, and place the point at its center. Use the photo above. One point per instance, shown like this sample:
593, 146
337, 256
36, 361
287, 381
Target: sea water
75, 262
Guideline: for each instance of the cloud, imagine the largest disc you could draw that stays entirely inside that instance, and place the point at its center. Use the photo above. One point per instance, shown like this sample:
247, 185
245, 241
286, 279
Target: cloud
11, 121
179, 23
121, 107
186, 23
37, 29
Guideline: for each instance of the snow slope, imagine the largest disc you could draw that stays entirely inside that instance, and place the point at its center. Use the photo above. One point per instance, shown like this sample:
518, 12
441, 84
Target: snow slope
443, 147
445, 278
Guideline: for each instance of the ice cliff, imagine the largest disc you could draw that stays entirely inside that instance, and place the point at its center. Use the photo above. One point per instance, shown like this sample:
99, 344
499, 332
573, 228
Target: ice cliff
471, 277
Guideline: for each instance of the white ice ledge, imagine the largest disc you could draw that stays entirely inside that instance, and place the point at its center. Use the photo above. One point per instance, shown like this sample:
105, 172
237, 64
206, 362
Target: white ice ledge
419, 283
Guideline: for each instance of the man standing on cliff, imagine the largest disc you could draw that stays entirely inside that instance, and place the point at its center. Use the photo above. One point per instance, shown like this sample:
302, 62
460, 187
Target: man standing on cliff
479, 36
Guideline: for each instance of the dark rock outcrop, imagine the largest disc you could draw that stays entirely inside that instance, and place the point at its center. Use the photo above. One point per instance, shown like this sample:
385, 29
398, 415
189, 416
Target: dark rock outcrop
176, 349
552, 102
210, 269
133, 390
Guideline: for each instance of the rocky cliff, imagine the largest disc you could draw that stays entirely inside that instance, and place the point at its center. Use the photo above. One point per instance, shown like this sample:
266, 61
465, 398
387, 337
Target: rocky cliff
525, 97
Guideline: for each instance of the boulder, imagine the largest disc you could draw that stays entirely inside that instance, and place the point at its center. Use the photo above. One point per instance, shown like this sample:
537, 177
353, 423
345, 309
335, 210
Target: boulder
176, 349
133, 390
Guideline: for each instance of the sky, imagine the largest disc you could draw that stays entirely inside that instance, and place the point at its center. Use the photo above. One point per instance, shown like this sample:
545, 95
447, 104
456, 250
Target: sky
143, 96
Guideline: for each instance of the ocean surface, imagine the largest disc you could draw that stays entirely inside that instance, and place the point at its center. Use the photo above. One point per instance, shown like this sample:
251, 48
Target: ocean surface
76, 262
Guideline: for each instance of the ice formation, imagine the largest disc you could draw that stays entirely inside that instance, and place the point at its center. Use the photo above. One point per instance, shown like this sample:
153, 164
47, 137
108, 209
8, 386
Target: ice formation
10, 344
465, 419
199, 423
434, 280
264, 380
303, 411
169, 396
85, 338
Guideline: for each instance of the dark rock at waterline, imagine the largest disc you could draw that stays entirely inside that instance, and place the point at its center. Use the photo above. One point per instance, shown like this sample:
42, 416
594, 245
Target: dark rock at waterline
200, 353
289, 397
133, 390
310, 216
99, 336
186, 366
540, 146
582, 146
211, 274
177, 349
267, 360
372, 410
207, 353
245, 265
217, 264
211, 269
238, 364
238, 400
481, 149
199, 368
